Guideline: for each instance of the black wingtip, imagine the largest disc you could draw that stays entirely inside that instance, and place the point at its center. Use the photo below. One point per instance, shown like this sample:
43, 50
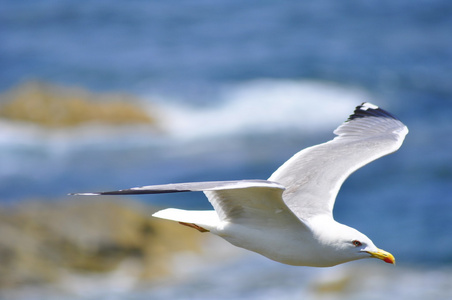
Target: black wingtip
367, 109
134, 191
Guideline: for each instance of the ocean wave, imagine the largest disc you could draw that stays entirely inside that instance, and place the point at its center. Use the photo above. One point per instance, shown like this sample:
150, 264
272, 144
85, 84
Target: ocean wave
264, 106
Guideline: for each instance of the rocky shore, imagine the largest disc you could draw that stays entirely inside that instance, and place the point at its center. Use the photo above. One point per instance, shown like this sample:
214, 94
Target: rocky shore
56, 106
43, 241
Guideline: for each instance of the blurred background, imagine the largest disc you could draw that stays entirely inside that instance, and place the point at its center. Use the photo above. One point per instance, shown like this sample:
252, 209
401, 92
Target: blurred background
105, 95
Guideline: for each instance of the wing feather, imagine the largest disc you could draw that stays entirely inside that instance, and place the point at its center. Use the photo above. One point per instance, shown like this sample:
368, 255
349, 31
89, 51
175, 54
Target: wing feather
258, 207
313, 176
251, 202
190, 187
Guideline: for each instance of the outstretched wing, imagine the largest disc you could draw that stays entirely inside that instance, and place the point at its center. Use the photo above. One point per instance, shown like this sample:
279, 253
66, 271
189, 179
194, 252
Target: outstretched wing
189, 187
313, 176
252, 202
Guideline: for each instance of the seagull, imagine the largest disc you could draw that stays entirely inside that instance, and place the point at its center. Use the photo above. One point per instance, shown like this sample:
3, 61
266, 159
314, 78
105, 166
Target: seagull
289, 217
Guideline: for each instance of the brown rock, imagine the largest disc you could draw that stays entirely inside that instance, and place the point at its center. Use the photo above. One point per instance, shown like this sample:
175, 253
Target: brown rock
55, 106
42, 240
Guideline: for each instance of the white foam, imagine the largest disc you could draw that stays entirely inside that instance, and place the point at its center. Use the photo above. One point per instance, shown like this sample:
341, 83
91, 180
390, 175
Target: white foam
265, 106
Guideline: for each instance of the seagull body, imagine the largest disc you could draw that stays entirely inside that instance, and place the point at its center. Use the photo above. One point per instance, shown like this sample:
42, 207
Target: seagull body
289, 217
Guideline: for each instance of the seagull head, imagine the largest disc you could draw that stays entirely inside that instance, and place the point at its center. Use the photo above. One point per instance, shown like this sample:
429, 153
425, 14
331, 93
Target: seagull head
357, 245
343, 243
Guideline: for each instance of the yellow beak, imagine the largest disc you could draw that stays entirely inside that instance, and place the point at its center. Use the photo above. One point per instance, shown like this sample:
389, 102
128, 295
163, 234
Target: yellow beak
383, 255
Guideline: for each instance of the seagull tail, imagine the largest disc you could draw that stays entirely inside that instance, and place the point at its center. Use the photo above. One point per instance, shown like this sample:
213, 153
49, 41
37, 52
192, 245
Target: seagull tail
201, 220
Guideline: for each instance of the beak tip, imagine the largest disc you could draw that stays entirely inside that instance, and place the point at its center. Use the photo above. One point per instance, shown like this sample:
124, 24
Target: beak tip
389, 260
384, 256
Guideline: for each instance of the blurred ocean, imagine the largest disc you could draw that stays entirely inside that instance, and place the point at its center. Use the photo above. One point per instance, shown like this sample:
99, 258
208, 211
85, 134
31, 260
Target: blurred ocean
239, 87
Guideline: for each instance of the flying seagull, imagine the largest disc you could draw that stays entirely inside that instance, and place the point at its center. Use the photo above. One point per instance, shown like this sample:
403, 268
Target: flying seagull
289, 217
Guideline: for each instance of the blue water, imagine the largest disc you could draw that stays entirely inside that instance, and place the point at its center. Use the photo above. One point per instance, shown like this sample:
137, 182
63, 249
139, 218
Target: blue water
241, 86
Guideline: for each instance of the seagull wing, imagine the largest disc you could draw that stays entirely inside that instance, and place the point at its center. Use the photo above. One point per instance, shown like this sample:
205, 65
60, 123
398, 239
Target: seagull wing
256, 204
251, 202
190, 187
313, 176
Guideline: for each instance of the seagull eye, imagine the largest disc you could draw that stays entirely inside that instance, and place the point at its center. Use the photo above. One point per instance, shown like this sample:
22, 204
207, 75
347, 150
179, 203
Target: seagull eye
357, 243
